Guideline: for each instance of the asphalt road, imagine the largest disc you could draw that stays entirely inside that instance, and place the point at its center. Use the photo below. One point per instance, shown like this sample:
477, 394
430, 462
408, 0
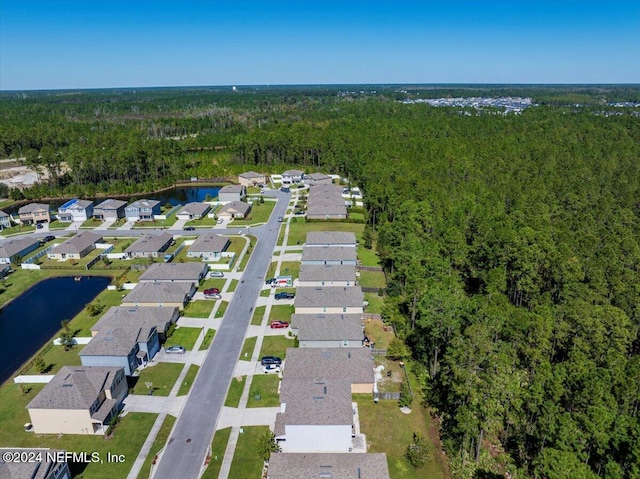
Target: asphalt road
193, 432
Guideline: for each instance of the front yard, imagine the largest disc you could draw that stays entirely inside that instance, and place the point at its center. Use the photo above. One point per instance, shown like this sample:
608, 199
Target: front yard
264, 391
200, 308
259, 213
276, 346
185, 337
298, 230
162, 376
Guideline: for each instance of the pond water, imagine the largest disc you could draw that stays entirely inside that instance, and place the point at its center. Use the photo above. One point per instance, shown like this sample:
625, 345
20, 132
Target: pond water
32, 319
178, 195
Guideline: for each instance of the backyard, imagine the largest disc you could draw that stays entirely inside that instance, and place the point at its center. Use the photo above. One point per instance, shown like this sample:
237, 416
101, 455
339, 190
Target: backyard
298, 230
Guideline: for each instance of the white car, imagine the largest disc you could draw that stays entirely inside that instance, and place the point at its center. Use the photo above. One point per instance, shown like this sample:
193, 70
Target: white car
216, 274
271, 368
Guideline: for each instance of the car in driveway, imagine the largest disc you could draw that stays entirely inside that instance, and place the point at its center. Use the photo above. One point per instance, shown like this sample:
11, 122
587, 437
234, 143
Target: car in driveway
211, 291
175, 350
271, 368
216, 274
285, 295
39, 226
213, 296
275, 360
189, 228
270, 281
46, 239
279, 325
298, 212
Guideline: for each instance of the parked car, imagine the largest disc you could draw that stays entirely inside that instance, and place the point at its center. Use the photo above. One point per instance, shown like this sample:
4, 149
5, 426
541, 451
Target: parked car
175, 350
271, 368
285, 295
271, 360
216, 274
39, 226
298, 212
213, 296
280, 219
270, 281
279, 325
46, 239
211, 291
219, 220
189, 228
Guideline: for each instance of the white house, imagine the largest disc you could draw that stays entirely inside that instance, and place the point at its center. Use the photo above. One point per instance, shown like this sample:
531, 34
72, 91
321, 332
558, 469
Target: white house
75, 210
208, 246
193, 211
292, 176
231, 193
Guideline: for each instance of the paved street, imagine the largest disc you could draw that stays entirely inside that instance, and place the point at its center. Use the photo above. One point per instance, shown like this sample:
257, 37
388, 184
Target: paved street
191, 437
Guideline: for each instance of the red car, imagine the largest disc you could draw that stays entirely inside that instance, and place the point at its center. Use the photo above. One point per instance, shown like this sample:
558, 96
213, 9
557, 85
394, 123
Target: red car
279, 324
212, 291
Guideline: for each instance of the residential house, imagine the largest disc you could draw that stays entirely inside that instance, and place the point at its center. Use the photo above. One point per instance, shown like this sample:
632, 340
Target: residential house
326, 202
109, 210
352, 364
208, 246
76, 247
17, 248
312, 275
331, 238
5, 269
79, 400
75, 210
318, 179
251, 178
329, 299
329, 255
193, 211
235, 209
5, 220
41, 464
127, 337
142, 210
292, 176
328, 330
353, 465
34, 213
175, 272
149, 245
167, 295
231, 193
315, 415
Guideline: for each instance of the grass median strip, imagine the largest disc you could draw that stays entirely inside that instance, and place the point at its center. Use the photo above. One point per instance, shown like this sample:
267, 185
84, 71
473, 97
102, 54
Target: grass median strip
235, 391
208, 338
247, 348
157, 446
246, 459
218, 447
185, 386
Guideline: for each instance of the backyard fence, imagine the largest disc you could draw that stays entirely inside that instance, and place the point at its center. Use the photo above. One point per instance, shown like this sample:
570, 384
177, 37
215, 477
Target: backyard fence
388, 396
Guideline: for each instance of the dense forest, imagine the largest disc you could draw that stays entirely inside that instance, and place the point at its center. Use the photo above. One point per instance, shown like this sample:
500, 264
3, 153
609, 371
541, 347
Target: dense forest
511, 242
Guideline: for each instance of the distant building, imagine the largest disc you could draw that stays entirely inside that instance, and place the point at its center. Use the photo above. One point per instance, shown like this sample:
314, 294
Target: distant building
329, 255
318, 179
13, 249
329, 299
292, 176
193, 211
75, 210
251, 178
149, 246
331, 238
231, 193
327, 275
328, 330
5, 220
167, 295
175, 272
76, 247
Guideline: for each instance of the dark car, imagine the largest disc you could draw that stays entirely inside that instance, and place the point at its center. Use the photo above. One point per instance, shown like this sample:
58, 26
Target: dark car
270, 281
298, 212
189, 228
285, 295
46, 239
270, 360
39, 226
280, 219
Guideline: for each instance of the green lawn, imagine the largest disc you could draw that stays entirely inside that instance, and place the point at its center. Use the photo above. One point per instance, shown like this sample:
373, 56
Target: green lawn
276, 346
158, 444
127, 439
199, 309
213, 283
83, 321
186, 384
205, 222
372, 279
185, 337
170, 221
119, 222
57, 225
57, 357
258, 314
247, 463
232, 286
247, 348
162, 375
298, 230
235, 391
208, 338
91, 223
259, 213
265, 387
375, 303
281, 312
218, 447
222, 309
290, 268
245, 258
265, 292
368, 257
388, 430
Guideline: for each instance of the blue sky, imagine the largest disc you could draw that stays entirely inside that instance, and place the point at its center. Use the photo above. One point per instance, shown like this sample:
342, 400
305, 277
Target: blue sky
55, 44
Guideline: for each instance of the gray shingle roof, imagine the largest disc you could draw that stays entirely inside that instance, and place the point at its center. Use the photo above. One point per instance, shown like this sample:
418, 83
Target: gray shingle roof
329, 296
235, 207
316, 402
292, 173
327, 272
15, 246
328, 253
191, 272
326, 208
110, 204
293, 465
330, 238
209, 243
328, 327
144, 203
37, 469
74, 387
352, 364
31, 207
3, 214
195, 209
317, 176
149, 243
158, 293
77, 243
121, 328
251, 174
231, 189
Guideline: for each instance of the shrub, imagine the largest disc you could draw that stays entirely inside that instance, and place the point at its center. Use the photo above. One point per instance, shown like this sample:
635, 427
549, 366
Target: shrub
417, 452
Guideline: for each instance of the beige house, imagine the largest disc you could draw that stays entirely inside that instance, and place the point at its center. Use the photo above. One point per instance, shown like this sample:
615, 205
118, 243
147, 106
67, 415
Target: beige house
231, 193
34, 213
79, 400
149, 246
75, 247
251, 178
235, 209
168, 295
